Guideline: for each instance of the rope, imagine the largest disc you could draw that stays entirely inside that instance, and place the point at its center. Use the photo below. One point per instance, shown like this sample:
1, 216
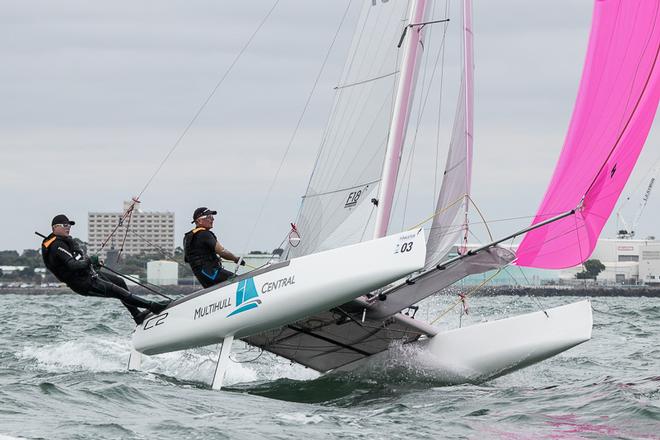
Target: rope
602, 311
420, 111
464, 296
246, 265
522, 272
440, 101
208, 98
128, 228
133, 280
438, 212
300, 118
121, 221
162, 251
480, 215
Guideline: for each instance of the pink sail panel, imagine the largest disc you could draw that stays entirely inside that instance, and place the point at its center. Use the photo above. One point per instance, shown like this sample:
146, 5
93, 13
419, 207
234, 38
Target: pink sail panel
615, 107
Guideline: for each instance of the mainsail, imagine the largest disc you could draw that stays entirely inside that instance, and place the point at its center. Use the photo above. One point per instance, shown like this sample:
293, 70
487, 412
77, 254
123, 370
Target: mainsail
337, 208
616, 104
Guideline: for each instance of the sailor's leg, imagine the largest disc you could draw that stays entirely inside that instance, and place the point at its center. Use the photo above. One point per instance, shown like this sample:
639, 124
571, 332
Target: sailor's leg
223, 361
114, 279
208, 276
224, 275
107, 288
137, 314
212, 275
134, 360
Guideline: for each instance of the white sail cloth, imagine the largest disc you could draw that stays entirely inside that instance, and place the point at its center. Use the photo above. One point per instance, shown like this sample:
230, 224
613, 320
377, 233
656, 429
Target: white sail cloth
337, 208
449, 221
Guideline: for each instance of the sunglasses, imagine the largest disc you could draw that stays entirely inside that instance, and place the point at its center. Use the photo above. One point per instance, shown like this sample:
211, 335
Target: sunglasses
207, 217
64, 225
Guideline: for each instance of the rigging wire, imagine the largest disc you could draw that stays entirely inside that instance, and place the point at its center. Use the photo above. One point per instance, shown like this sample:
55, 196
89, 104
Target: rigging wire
480, 215
350, 129
516, 282
188, 127
163, 252
352, 114
120, 222
420, 113
440, 100
209, 97
137, 281
300, 118
465, 295
128, 227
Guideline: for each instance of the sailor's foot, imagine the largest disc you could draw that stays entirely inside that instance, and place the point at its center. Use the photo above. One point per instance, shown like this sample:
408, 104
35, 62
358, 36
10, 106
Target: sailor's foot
156, 307
140, 317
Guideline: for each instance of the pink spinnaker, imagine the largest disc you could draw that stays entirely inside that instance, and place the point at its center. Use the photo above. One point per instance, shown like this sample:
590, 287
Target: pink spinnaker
615, 107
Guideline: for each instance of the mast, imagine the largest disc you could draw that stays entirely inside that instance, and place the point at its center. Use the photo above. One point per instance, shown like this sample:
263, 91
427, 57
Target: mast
402, 105
468, 71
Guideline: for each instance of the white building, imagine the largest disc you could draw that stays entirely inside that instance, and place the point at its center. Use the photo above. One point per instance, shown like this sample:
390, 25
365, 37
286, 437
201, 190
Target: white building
626, 261
149, 232
163, 273
11, 269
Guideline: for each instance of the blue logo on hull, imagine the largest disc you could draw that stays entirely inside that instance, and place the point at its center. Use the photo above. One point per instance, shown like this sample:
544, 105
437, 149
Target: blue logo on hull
246, 297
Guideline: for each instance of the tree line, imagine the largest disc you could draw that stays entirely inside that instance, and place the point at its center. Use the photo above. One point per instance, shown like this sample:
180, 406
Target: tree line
126, 264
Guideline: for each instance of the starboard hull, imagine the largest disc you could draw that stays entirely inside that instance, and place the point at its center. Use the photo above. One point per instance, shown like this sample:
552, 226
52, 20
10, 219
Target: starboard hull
270, 299
485, 351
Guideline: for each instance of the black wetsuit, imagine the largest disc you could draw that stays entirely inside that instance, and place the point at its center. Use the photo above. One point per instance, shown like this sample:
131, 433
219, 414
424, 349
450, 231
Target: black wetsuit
66, 261
199, 252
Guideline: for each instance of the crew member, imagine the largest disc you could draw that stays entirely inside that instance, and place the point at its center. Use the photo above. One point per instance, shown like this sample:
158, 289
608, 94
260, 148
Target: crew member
203, 251
66, 260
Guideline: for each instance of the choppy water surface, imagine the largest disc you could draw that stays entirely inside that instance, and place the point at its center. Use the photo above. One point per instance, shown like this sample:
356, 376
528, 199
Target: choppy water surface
63, 376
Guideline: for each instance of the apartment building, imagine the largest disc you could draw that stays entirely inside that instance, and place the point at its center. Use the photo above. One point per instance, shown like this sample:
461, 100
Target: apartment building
148, 232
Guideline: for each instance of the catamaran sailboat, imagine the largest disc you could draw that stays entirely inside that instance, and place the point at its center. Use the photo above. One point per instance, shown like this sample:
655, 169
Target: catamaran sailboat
337, 300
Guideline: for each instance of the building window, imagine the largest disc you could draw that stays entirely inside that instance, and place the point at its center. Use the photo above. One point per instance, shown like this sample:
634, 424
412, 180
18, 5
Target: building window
651, 255
628, 258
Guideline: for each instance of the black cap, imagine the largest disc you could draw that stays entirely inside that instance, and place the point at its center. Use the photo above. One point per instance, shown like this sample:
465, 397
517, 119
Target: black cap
60, 219
201, 212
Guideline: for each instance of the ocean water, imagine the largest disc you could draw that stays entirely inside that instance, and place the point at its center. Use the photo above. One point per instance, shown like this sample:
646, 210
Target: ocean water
64, 376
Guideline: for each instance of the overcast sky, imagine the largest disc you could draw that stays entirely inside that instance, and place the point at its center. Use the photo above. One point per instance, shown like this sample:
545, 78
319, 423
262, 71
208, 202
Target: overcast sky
94, 94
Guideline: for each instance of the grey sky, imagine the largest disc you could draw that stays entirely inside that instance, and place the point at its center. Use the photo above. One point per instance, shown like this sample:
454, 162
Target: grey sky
94, 94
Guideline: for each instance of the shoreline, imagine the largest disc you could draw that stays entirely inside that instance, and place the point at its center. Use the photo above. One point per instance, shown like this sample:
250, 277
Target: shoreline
544, 291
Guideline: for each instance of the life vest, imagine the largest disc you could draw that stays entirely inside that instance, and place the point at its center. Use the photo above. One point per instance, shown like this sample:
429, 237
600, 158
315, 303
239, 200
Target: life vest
45, 250
193, 254
61, 271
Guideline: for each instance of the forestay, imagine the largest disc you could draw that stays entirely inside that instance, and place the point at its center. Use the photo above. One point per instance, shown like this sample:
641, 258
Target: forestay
337, 208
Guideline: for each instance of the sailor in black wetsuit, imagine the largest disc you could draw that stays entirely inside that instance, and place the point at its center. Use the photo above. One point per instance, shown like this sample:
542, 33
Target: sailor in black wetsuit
64, 258
203, 251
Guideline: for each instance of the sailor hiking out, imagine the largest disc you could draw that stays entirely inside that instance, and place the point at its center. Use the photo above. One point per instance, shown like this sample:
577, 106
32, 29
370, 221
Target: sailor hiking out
202, 250
67, 261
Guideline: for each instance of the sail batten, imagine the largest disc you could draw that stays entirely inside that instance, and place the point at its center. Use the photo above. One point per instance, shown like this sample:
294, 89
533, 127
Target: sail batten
616, 105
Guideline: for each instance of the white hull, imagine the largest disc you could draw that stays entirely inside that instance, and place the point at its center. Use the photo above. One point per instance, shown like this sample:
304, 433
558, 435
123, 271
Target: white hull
273, 298
484, 351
